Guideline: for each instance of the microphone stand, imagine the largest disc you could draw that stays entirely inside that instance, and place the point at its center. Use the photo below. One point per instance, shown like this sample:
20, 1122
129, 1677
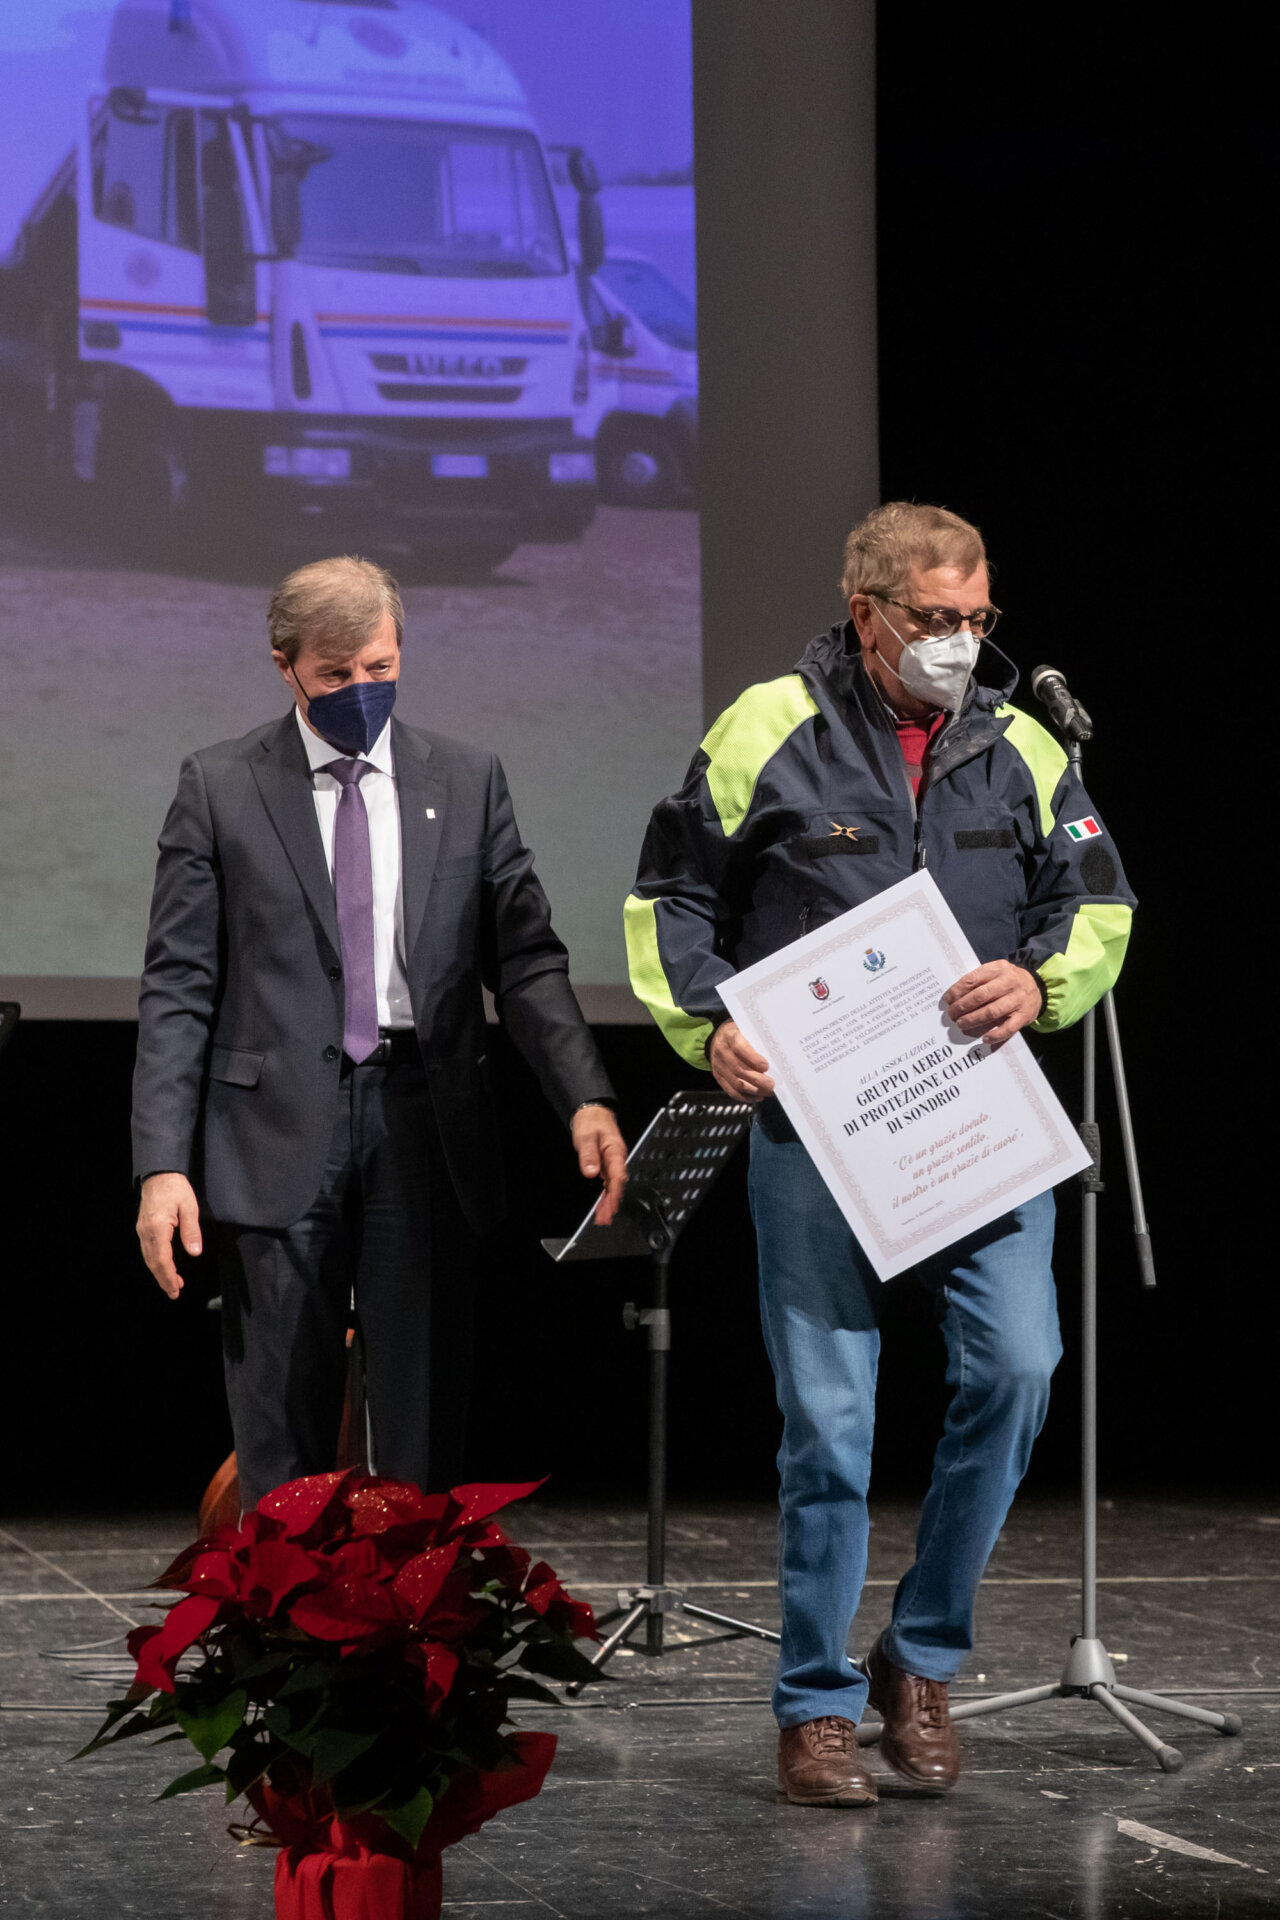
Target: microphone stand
1088, 1673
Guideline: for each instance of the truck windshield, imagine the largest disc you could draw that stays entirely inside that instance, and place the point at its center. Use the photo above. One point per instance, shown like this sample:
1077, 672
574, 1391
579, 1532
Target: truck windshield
653, 300
398, 196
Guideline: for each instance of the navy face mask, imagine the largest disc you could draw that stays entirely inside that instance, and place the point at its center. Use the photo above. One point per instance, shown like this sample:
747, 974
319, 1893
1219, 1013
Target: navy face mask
351, 718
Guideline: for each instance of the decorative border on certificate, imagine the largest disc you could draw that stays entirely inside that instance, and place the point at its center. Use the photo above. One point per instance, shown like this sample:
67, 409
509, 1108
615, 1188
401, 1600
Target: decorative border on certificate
900, 1242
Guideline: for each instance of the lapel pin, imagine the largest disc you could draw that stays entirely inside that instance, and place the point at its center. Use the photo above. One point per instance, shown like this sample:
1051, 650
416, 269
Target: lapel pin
431, 813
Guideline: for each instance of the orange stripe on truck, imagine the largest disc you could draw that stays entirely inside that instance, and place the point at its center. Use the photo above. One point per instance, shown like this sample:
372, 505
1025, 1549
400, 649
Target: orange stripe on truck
150, 306
438, 320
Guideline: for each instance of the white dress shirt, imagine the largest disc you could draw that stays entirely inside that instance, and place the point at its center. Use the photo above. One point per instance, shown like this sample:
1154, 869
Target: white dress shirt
378, 791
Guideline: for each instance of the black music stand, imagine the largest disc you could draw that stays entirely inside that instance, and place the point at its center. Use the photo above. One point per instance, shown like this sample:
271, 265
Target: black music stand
670, 1170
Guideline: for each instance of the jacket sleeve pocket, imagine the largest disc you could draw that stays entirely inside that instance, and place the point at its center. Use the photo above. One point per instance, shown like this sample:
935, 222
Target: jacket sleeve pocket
236, 1066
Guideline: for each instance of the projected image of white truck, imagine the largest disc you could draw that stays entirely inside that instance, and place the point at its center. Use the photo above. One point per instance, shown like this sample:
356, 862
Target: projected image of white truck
305, 265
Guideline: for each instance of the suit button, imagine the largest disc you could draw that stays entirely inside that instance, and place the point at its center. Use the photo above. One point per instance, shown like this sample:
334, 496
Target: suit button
335, 973
331, 1053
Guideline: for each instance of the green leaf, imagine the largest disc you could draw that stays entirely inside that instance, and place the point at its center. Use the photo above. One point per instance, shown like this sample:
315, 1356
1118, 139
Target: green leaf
334, 1750
204, 1776
518, 1686
409, 1819
559, 1659
110, 1731
248, 1763
278, 1720
211, 1730
246, 1666
309, 1679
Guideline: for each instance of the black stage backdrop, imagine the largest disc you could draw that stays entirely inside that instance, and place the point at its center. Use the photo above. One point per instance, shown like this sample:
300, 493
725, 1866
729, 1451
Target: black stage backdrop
1064, 358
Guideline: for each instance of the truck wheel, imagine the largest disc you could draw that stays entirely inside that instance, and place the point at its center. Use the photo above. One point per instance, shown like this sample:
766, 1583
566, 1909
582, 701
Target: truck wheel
639, 468
146, 495
24, 481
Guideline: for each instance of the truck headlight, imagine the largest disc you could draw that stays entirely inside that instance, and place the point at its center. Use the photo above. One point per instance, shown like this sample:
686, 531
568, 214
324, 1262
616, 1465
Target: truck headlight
307, 463
573, 468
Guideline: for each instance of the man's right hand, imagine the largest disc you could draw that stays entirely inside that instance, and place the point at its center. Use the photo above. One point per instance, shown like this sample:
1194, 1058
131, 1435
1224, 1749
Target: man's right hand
169, 1205
738, 1068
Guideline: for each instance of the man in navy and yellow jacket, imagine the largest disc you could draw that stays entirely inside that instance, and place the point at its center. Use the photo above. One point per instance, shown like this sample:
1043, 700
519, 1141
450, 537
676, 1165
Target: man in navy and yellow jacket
881, 754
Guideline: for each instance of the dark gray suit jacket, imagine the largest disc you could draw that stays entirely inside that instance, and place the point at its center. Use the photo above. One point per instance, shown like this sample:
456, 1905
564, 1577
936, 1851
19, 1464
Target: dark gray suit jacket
241, 1007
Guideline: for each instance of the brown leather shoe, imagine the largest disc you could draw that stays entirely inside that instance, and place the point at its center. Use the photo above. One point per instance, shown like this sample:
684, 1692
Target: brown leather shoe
918, 1740
819, 1765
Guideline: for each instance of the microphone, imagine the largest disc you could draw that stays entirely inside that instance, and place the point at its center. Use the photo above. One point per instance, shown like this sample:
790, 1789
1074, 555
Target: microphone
1051, 690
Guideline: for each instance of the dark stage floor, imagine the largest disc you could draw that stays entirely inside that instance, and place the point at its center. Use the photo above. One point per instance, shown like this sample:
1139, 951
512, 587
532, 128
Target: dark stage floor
662, 1800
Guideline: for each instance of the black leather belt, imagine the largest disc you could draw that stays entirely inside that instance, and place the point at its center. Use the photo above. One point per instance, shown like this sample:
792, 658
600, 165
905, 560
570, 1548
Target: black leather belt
397, 1047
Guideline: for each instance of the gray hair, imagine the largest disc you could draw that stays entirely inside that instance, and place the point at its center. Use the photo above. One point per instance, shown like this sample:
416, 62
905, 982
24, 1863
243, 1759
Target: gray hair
881, 550
333, 604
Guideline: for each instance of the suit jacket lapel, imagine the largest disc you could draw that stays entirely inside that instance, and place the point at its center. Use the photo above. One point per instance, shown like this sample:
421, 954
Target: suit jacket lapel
421, 794
284, 781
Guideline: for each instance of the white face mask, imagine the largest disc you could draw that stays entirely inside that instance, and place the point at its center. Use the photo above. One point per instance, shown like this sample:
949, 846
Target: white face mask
935, 671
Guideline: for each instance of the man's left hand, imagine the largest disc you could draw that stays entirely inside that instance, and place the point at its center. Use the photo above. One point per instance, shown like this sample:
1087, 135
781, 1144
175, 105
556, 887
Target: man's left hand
994, 1001
602, 1155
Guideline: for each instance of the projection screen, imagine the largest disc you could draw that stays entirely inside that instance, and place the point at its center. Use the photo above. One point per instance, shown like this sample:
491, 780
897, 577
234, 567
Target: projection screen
282, 278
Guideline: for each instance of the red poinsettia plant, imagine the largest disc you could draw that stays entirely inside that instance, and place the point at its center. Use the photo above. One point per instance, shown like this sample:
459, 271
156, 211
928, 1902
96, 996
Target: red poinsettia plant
346, 1658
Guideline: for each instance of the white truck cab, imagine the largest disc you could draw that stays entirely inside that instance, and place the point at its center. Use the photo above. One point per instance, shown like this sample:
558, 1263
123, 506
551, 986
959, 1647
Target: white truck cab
318, 273
645, 375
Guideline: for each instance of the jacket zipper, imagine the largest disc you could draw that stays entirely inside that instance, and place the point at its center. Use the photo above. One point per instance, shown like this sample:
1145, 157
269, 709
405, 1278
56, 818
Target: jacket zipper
920, 852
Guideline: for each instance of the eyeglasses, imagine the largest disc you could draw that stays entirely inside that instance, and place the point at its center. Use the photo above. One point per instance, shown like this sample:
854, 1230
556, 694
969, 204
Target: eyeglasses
942, 623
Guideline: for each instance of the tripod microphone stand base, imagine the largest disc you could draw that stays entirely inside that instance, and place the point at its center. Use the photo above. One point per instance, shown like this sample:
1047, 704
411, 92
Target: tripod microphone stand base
648, 1607
1089, 1675
680, 1153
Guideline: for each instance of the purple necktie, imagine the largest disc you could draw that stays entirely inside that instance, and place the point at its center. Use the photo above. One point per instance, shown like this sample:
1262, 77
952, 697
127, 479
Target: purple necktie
353, 889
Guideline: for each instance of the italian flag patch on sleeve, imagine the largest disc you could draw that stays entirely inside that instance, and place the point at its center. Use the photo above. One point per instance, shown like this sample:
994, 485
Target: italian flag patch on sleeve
1086, 829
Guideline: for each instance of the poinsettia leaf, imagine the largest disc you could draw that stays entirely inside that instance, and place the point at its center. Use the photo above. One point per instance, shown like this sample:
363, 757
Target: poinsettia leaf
210, 1731
419, 1580
410, 1818
273, 1569
364, 1558
560, 1660
346, 1610
335, 1750
479, 1499
441, 1665
184, 1624
137, 1637
213, 1572
378, 1506
205, 1776
298, 1734
518, 1686
176, 1574
248, 1664
245, 1766
318, 1676
300, 1503
111, 1730
541, 1587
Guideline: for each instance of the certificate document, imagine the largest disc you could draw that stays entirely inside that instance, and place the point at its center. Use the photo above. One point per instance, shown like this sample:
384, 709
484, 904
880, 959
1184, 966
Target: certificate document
922, 1134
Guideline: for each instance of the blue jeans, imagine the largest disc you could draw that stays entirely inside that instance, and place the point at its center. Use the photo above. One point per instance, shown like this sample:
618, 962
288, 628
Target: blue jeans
819, 1300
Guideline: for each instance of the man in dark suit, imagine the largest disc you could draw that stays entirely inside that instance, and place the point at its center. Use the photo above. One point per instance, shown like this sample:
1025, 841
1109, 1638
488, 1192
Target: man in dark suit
332, 892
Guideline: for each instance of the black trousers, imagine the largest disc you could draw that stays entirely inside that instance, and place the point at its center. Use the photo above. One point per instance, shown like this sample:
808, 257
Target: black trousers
387, 1227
